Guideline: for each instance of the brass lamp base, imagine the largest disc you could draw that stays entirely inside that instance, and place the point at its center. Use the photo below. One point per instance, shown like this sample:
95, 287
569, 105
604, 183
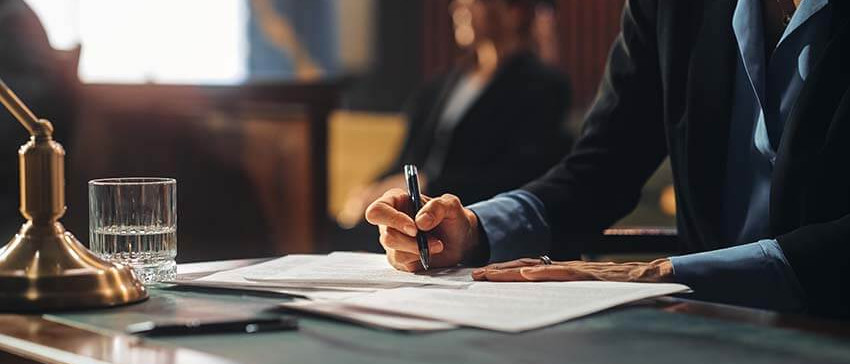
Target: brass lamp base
45, 268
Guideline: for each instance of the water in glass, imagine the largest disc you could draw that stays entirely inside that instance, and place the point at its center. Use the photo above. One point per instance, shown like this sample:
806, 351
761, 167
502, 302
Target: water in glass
133, 221
150, 250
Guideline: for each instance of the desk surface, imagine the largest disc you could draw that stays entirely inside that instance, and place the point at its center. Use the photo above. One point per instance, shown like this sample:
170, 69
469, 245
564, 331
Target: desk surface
658, 332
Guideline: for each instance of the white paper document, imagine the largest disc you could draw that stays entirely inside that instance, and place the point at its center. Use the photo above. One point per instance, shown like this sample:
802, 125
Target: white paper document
511, 307
234, 279
323, 294
363, 288
236, 276
321, 299
359, 270
369, 317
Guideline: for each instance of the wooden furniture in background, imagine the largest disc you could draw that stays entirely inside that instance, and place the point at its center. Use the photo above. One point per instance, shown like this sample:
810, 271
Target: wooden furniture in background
251, 161
361, 146
587, 29
438, 47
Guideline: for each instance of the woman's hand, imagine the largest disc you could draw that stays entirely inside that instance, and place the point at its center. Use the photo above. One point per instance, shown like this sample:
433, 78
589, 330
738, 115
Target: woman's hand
533, 270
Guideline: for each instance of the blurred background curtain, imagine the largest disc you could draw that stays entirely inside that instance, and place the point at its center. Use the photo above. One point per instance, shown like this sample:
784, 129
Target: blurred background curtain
293, 40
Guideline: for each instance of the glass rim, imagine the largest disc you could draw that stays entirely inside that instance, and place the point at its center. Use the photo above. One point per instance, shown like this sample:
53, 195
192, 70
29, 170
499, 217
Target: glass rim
132, 181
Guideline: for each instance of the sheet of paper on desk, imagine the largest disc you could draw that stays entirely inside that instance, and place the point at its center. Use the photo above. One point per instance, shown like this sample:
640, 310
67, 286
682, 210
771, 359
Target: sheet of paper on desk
234, 279
368, 317
268, 267
236, 276
359, 270
512, 307
323, 294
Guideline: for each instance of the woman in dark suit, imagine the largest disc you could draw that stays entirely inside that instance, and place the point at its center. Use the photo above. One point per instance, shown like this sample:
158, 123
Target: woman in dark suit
493, 123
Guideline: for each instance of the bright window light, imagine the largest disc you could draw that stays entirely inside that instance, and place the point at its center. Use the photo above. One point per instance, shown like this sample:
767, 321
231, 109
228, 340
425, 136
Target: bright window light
152, 41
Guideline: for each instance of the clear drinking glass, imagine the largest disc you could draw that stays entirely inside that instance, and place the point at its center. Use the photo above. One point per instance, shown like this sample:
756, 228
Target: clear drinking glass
133, 221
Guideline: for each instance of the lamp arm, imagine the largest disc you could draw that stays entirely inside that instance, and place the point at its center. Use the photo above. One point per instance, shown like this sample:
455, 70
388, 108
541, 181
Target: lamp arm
35, 126
44, 267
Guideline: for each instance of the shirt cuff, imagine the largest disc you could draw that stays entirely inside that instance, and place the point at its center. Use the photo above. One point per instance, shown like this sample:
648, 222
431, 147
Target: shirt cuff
754, 275
514, 225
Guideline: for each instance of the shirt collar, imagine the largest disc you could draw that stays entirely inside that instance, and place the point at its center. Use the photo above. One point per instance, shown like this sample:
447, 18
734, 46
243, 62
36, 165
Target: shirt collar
749, 32
807, 9
748, 24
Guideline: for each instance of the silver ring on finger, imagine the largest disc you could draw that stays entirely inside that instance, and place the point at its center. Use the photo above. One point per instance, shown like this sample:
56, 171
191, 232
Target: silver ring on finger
544, 259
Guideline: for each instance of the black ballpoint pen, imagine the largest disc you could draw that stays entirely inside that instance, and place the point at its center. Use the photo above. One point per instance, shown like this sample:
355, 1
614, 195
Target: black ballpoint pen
199, 327
411, 175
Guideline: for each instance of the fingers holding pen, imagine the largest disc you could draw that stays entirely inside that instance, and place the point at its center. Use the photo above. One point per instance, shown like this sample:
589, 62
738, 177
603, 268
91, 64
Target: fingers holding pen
404, 261
437, 210
391, 210
398, 230
393, 239
388, 211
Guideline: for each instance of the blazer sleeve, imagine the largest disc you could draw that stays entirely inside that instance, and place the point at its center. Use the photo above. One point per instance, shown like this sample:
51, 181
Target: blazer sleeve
622, 141
818, 255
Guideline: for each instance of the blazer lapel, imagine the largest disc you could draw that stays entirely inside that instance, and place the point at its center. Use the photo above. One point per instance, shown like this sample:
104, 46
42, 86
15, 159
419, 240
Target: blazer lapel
806, 133
432, 119
710, 86
500, 90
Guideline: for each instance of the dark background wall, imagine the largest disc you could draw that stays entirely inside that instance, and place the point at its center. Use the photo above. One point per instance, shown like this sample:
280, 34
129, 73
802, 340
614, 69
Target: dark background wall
397, 64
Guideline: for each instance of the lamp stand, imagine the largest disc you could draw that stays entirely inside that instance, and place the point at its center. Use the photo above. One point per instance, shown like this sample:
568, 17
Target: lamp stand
44, 267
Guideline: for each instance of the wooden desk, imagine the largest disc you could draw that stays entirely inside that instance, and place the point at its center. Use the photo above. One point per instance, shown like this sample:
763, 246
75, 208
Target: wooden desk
660, 331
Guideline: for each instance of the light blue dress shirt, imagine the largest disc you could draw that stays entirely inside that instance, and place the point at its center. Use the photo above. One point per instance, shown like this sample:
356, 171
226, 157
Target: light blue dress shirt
755, 274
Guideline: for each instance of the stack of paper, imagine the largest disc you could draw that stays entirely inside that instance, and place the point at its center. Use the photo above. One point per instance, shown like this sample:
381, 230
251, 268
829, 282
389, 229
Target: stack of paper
365, 289
329, 286
511, 307
357, 270
369, 317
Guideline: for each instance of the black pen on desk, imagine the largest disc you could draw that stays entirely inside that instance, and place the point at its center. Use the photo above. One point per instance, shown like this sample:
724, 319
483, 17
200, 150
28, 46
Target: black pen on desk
198, 327
411, 175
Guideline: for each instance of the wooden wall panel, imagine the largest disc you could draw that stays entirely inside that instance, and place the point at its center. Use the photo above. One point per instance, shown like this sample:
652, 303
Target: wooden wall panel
438, 45
250, 161
587, 29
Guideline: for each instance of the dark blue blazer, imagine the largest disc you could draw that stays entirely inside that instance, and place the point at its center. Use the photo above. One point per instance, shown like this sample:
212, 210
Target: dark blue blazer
667, 91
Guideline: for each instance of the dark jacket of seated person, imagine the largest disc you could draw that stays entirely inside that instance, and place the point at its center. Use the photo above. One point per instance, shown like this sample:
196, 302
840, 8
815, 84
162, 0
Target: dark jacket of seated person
477, 143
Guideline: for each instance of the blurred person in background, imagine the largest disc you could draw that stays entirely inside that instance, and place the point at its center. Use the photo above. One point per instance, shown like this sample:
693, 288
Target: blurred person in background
32, 69
498, 116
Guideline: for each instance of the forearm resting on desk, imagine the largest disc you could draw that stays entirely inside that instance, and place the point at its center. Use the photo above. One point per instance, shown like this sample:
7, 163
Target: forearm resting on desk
532, 270
755, 274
